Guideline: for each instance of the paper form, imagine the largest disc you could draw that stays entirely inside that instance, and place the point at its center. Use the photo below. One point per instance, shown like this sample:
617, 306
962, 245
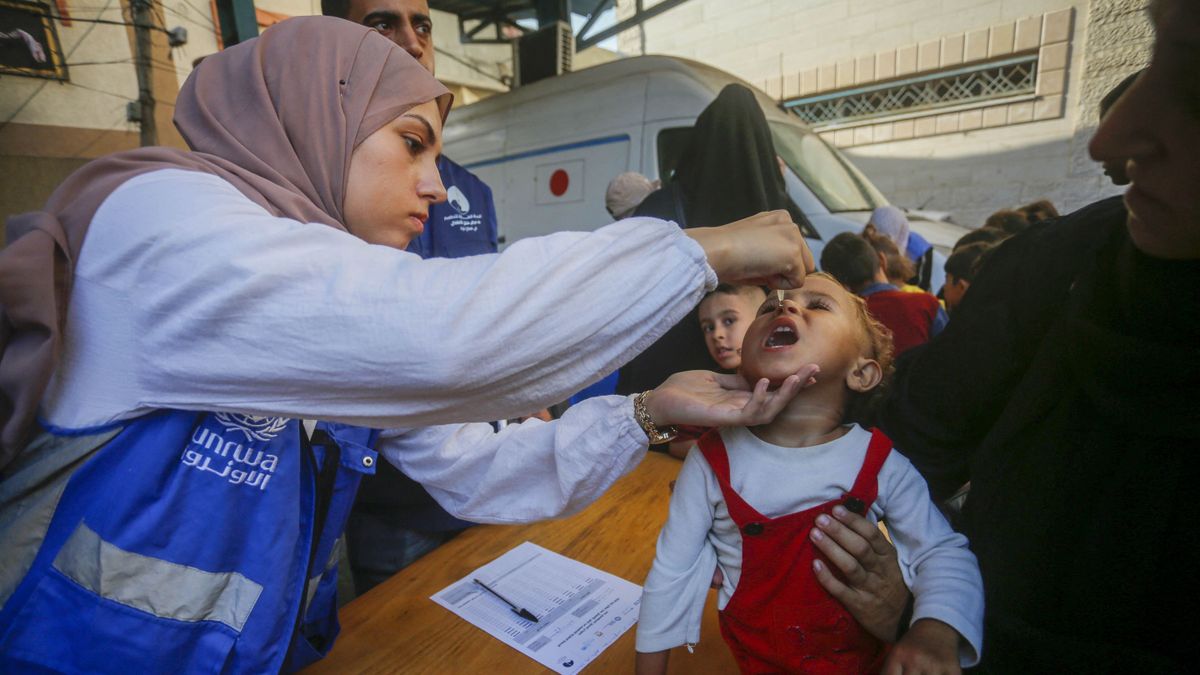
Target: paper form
581, 610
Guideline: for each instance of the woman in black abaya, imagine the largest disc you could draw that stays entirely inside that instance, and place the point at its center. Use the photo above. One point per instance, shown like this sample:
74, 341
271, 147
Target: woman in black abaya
727, 171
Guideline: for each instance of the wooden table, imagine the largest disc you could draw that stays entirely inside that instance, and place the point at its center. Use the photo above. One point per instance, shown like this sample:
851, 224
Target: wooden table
396, 628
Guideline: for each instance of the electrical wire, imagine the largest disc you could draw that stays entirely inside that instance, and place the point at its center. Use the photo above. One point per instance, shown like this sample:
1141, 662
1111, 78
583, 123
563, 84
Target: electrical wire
66, 59
43, 85
107, 22
202, 12
100, 91
157, 64
202, 20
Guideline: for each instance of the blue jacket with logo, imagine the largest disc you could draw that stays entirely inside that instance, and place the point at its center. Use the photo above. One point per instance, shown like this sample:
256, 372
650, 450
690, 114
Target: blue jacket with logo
464, 224
178, 542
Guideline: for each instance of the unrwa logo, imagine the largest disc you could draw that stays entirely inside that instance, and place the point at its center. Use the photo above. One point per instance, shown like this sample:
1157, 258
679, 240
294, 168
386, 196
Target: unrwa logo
458, 200
255, 427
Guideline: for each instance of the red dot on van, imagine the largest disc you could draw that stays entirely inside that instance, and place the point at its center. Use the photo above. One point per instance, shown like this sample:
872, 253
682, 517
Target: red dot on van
559, 180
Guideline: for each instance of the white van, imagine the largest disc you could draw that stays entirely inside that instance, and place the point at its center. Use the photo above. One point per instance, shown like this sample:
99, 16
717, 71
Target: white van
549, 149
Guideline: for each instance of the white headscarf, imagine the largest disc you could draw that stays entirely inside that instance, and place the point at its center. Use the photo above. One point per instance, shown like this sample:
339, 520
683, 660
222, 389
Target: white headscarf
891, 223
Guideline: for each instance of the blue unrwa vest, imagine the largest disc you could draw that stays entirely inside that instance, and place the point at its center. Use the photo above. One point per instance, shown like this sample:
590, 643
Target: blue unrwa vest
180, 542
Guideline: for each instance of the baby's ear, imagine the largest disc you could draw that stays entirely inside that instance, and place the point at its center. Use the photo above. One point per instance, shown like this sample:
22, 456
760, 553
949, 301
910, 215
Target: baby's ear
864, 376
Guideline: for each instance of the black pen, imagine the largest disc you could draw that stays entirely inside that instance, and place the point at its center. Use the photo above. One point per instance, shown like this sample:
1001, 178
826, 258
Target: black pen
519, 611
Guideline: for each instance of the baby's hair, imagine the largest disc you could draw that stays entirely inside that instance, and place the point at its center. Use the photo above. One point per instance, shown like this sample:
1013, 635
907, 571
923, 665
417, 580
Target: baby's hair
877, 339
877, 344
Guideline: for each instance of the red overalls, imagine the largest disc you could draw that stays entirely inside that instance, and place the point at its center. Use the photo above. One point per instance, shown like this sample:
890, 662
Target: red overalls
780, 619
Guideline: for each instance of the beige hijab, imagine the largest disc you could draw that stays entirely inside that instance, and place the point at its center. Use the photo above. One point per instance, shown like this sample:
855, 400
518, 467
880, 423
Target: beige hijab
277, 116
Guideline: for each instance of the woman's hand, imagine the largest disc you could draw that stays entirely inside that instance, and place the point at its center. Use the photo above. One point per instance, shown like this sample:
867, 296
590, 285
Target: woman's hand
874, 591
766, 250
703, 399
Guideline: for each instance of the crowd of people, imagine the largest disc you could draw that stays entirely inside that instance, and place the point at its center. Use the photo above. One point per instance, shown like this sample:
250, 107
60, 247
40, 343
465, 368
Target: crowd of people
207, 353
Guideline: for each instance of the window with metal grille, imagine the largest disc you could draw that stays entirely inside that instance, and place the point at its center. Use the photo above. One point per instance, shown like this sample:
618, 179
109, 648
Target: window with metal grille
981, 82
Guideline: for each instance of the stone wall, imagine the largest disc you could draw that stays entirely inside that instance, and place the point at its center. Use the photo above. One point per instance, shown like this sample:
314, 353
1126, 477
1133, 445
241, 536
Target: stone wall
969, 161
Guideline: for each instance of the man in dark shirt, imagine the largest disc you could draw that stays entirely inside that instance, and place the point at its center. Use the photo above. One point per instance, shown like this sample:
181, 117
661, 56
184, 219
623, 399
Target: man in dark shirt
395, 521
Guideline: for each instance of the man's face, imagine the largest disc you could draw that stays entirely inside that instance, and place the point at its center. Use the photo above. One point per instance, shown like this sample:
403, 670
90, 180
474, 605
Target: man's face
405, 22
1155, 128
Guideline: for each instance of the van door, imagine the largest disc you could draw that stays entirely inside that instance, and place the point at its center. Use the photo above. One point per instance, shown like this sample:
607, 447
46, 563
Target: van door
561, 187
560, 153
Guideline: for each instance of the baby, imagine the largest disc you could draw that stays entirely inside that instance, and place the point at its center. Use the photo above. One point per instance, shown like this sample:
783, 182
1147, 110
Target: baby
725, 313
746, 500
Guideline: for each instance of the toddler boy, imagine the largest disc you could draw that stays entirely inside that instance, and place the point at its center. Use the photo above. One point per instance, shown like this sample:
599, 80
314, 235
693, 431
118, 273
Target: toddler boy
746, 500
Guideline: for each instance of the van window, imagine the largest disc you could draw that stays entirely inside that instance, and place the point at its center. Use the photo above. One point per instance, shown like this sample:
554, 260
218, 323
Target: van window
834, 180
670, 146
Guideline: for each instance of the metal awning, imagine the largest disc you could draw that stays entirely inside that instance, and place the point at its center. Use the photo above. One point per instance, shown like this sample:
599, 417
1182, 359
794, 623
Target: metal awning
486, 21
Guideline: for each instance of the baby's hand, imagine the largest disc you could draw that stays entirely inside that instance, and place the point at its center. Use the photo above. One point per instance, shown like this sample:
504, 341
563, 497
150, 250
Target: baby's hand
930, 647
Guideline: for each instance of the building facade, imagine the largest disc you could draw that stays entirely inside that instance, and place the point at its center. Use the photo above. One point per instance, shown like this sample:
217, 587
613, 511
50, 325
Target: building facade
54, 120
73, 105
964, 106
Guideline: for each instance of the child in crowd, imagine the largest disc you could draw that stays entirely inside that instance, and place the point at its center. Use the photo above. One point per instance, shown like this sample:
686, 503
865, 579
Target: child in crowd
1039, 212
896, 265
913, 318
984, 235
1010, 221
747, 499
724, 315
961, 267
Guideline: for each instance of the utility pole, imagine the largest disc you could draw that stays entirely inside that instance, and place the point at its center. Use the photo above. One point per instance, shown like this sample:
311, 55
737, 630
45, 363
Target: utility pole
142, 22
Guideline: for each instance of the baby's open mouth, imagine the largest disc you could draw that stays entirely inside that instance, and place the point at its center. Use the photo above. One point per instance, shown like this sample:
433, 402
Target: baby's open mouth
782, 336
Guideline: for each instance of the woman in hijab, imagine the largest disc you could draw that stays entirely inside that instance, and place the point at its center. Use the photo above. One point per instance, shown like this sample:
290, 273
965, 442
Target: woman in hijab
727, 171
175, 322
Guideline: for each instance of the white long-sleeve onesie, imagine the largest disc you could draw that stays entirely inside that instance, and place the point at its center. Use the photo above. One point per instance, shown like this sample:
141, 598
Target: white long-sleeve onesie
699, 534
187, 295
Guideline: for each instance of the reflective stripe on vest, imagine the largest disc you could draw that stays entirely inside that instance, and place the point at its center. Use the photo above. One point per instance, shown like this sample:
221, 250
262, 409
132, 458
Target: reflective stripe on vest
315, 581
29, 495
164, 589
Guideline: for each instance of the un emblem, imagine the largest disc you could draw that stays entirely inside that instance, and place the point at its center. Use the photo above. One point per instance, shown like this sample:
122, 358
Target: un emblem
255, 427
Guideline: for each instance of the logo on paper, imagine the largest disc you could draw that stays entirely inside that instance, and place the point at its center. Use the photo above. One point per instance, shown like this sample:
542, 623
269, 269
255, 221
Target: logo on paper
255, 428
458, 200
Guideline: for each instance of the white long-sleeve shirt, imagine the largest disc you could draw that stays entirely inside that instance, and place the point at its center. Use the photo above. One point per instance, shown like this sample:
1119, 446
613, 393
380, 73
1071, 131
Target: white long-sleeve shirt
699, 534
187, 295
